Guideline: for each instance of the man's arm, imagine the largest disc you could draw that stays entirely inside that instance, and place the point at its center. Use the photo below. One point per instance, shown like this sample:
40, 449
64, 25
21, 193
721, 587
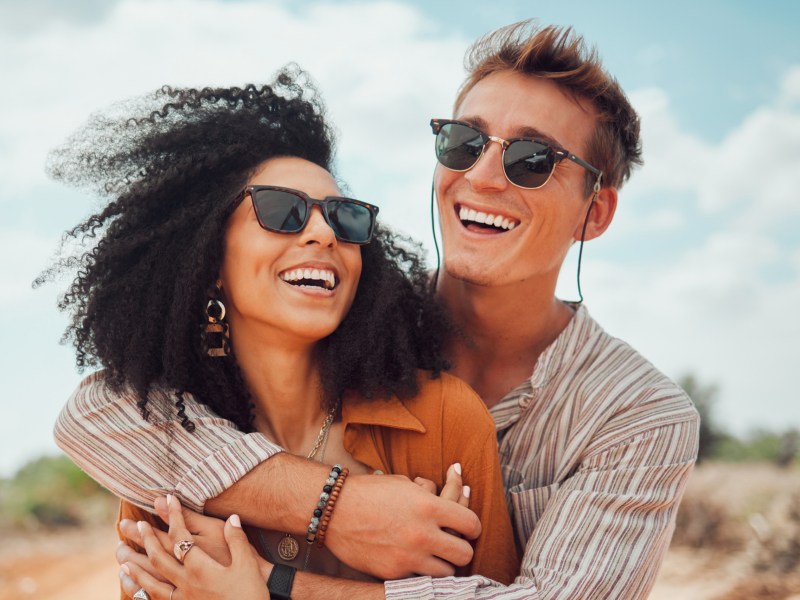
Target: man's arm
104, 433
605, 530
220, 470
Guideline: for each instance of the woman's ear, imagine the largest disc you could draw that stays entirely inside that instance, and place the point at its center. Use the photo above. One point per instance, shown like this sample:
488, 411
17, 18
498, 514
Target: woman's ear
601, 214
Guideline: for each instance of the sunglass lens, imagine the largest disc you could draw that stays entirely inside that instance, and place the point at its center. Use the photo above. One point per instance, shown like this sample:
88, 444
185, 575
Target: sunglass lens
458, 147
528, 164
280, 211
350, 222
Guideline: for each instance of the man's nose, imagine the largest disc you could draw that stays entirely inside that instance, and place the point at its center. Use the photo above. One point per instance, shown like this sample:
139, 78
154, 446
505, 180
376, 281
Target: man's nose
488, 173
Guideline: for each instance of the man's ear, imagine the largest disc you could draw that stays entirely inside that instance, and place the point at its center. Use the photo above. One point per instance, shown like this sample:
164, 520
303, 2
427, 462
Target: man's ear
602, 212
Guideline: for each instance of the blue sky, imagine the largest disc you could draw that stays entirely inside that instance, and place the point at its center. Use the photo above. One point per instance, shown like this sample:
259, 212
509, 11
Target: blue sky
700, 270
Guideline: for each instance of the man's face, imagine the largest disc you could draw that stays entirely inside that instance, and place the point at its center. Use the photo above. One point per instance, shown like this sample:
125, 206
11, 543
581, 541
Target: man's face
545, 221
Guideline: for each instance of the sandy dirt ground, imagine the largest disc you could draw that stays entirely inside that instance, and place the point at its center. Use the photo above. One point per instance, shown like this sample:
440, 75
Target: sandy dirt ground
76, 565
80, 565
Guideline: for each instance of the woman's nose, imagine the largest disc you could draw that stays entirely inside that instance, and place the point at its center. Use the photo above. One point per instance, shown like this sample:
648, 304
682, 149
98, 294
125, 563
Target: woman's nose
317, 230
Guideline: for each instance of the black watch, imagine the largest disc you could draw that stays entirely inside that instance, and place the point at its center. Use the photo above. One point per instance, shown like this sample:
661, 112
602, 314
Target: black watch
280, 582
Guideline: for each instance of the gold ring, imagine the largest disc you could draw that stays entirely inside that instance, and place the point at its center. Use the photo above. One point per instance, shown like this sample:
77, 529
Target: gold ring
181, 549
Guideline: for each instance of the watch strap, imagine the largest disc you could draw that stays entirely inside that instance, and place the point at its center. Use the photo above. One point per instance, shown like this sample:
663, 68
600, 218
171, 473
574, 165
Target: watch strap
280, 582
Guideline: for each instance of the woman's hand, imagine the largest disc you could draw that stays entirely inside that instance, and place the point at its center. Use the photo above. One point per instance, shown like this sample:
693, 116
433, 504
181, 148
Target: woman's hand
454, 488
199, 577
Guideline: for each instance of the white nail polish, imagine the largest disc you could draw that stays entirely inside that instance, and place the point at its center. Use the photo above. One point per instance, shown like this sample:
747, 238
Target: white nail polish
466, 491
140, 526
169, 499
457, 469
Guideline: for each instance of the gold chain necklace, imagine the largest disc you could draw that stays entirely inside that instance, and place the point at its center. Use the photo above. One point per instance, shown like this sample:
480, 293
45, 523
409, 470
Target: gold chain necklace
288, 547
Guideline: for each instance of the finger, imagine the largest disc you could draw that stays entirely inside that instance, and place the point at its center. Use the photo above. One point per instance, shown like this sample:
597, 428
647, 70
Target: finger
162, 560
464, 499
177, 526
165, 562
436, 567
195, 522
131, 531
426, 484
126, 554
139, 578
128, 585
162, 509
451, 548
238, 543
453, 484
460, 519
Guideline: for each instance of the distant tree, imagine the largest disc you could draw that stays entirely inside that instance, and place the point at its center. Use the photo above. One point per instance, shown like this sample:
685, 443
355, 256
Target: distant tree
704, 397
789, 449
51, 491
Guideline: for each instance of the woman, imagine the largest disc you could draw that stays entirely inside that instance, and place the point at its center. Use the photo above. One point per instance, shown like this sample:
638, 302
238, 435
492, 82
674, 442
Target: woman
230, 267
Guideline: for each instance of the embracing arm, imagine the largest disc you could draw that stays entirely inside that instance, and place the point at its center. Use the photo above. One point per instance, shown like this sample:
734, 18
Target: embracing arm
220, 470
604, 531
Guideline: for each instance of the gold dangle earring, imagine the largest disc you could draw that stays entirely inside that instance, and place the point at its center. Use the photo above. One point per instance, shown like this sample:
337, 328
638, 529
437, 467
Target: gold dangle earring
216, 339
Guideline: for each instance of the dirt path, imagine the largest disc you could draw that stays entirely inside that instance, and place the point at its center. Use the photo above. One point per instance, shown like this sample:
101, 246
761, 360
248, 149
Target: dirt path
59, 566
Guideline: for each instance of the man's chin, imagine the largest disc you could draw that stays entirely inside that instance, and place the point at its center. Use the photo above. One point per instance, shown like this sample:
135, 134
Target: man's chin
470, 273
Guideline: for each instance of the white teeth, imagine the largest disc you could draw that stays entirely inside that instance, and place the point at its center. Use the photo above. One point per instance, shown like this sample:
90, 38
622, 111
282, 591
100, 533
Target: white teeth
469, 214
323, 275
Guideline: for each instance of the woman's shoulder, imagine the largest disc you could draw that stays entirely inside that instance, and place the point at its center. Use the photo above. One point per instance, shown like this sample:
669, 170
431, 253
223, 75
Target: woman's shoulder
448, 397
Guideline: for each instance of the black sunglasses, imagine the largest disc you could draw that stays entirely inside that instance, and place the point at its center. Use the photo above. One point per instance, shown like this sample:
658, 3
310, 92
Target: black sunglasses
527, 163
284, 210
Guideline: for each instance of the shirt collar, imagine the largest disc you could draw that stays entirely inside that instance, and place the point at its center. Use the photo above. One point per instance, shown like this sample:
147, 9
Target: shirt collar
382, 412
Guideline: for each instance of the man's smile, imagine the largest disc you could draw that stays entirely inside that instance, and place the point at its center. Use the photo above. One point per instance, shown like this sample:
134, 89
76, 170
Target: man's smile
485, 222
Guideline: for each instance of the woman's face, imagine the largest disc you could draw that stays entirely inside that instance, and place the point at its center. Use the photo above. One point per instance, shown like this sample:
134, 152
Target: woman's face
260, 269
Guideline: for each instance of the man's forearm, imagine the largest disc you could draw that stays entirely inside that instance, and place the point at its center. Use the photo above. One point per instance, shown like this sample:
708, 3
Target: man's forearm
278, 494
308, 586
281, 493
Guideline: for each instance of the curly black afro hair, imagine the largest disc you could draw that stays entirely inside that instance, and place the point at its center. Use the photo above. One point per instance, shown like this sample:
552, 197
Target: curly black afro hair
173, 165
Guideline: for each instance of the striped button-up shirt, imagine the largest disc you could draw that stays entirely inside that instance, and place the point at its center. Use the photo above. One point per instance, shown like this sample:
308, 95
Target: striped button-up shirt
596, 448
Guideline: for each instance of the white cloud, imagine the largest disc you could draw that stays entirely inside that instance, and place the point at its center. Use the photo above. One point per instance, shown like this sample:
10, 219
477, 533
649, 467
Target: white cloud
751, 176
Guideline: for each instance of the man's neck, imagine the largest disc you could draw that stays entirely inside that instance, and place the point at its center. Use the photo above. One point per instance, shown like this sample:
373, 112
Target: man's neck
500, 332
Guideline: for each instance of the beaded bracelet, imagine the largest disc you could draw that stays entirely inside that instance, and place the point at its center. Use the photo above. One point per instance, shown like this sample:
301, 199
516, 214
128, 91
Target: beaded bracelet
313, 526
326, 515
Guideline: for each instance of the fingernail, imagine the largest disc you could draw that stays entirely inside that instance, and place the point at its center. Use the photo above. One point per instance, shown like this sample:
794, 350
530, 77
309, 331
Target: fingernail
125, 568
169, 499
457, 468
120, 543
234, 519
140, 526
466, 491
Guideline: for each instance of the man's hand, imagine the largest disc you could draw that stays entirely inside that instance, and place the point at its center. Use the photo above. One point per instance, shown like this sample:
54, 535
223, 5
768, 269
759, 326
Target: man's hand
391, 527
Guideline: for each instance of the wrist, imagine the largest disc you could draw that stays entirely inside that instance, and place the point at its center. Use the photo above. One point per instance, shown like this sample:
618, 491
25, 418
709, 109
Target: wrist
264, 568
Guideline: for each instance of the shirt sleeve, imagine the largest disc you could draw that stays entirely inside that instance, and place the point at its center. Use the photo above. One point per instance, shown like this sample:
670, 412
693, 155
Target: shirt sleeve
604, 531
104, 433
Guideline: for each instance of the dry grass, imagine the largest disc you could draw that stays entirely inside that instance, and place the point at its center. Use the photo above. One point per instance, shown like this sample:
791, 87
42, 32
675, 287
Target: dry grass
740, 524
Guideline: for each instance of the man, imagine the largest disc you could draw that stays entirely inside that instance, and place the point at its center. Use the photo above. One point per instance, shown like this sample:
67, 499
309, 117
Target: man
596, 445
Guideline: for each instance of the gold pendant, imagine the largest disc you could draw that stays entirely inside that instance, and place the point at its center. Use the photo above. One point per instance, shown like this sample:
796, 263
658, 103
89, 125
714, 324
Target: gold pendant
288, 548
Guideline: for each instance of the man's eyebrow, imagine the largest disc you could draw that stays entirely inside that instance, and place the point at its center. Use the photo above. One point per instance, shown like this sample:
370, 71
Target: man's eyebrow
532, 132
527, 132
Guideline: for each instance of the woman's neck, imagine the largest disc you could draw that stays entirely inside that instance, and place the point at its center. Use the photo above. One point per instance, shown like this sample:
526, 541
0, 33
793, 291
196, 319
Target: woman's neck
286, 390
